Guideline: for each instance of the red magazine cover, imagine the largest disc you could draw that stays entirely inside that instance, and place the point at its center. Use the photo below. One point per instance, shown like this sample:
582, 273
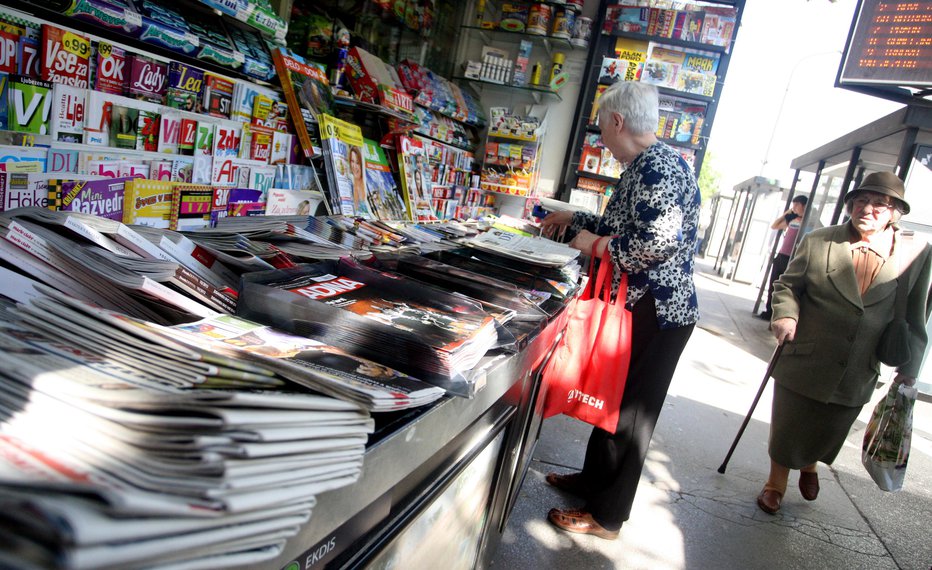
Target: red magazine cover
66, 57
217, 97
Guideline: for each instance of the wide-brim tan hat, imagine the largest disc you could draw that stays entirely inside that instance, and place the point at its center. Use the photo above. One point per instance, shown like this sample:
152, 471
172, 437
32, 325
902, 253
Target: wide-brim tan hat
885, 183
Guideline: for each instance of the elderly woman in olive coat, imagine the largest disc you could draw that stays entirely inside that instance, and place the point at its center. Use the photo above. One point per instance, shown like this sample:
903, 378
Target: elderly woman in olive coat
830, 308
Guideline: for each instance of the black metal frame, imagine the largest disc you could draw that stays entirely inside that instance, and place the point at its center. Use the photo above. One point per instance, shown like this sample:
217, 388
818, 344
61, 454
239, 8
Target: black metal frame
603, 44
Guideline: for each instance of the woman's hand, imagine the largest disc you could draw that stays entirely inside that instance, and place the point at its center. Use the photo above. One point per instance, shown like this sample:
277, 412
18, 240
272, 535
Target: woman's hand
901, 378
784, 329
589, 243
554, 221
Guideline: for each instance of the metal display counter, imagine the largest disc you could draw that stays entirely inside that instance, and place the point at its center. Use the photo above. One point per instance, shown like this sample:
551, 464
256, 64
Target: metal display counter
441, 484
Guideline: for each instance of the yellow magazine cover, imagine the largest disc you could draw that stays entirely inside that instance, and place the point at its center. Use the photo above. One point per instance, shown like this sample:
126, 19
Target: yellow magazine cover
148, 202
635, 53
342, 144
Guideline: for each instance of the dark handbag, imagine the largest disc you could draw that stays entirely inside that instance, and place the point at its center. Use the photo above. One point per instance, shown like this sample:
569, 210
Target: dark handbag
893, 347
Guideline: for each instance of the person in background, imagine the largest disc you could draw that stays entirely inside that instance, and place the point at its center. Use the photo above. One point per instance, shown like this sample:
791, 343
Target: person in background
830, 308
789, 221
649, 228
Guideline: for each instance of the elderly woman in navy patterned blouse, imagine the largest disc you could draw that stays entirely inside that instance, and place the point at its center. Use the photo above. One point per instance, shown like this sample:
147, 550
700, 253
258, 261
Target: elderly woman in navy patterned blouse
650, 229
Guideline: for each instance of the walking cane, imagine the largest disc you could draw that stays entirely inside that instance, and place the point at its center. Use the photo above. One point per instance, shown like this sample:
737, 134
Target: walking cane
760, 392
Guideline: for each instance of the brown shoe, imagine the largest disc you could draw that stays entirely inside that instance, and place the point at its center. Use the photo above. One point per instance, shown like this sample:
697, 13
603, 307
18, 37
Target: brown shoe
578, 521
769, 501
571, 483
809, 485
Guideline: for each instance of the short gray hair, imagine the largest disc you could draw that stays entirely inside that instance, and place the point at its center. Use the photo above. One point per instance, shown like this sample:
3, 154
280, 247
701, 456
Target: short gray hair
637, 102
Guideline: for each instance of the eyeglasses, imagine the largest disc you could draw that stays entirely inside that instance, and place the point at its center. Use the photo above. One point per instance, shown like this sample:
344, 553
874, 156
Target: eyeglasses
878, 206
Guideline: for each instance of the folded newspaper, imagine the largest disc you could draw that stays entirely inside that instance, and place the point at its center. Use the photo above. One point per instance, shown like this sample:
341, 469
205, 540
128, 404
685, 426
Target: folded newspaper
536, 250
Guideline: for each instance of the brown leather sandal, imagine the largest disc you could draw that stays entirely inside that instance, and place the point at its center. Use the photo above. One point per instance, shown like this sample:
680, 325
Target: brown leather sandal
580, 522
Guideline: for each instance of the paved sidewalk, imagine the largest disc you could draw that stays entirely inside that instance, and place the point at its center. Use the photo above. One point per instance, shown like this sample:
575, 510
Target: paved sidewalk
688, 516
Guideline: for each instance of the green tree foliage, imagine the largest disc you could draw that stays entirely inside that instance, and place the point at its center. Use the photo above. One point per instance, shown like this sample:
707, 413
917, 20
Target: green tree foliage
709, 177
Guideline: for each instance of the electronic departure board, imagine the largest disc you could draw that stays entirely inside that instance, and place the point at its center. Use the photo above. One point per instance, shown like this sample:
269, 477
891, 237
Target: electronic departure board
890, 43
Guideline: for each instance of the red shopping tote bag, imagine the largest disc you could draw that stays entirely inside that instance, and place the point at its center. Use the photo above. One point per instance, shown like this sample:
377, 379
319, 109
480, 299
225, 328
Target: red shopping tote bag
585, 376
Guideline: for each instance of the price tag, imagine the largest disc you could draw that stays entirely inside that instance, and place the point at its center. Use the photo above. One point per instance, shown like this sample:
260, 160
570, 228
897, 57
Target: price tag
133, 19
77, 45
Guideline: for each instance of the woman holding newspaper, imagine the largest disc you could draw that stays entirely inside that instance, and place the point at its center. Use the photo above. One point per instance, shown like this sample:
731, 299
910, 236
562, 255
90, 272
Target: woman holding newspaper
649, 229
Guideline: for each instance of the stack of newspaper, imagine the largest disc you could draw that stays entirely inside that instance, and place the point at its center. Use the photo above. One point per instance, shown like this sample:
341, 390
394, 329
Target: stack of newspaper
108, 461
106, 263
289, 234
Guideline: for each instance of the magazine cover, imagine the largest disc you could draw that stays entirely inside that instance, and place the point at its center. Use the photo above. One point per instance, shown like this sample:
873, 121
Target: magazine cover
103, 198
62, 161
343, 159
423, 331
97, 118
185, 83
281, 202
4, 97
23, 158
217, 97
244, 96
187, 136
660, 73
124, 124
9, 37
146, 79
66, 56
257, 142
307, 94
23, 190
612, 70
695, 82
190, 207
226, 141
29, 105
594, 113
68, 104
282, 144
160, 170
169, 133
27, 54
245, 202
635, 53
147, 132
204, 138
262, 178
415, 179
384, 194
147, 203
111, 63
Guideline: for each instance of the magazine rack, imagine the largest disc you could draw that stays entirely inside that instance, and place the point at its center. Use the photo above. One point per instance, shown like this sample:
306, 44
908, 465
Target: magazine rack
628, 33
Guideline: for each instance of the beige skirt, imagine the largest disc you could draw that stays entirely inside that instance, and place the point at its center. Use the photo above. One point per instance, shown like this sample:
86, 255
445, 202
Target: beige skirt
804, 431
